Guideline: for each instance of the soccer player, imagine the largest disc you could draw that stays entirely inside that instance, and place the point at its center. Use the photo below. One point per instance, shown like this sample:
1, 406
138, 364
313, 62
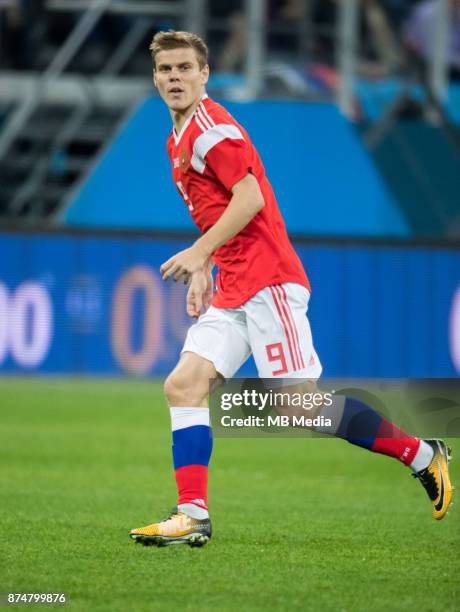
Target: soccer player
261, 299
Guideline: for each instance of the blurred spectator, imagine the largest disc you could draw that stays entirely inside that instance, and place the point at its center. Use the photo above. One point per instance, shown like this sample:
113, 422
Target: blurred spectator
233, 52
381, 37
23, 29
419, 33
398, 10
30, 37
324, 16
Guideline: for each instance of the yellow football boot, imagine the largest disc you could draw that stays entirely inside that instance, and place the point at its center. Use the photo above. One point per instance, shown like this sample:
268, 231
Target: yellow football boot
178, 528
435, 478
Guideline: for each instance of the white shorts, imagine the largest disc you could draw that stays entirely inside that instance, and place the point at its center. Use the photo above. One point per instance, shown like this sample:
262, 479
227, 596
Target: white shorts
272, 325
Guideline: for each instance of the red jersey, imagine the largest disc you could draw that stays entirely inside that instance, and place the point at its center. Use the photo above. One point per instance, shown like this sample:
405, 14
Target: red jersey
209, 156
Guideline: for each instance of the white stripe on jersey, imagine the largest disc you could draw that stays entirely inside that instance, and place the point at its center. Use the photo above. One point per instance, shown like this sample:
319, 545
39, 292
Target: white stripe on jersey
204, 119
202, 108
209, 139
202, 127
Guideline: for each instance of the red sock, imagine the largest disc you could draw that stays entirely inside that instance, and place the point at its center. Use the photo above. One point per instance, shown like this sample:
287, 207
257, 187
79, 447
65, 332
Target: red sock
192, 485
392, 441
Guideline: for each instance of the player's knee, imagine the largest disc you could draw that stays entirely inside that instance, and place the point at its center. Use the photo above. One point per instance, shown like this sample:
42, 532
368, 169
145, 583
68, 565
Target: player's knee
173, 389
181, 390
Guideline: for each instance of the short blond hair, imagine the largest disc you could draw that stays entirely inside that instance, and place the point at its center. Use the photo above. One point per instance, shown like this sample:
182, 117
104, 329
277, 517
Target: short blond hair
163, 41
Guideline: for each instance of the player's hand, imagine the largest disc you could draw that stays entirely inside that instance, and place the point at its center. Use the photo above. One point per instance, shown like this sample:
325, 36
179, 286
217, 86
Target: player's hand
199, 294
184, 264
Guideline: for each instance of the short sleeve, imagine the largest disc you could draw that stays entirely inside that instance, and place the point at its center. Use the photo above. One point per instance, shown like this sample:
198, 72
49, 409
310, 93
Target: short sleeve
224, 150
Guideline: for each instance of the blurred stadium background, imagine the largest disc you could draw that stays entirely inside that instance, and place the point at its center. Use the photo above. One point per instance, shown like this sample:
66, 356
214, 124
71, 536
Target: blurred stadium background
355, 107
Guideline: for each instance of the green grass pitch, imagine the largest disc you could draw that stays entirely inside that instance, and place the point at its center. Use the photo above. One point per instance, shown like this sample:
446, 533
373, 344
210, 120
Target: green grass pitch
299, 524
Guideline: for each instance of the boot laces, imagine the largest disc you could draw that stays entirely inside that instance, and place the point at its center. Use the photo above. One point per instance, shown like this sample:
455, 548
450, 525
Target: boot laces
174, 512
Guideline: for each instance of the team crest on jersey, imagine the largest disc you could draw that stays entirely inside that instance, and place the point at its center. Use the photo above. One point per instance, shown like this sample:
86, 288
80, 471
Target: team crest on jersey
183, 160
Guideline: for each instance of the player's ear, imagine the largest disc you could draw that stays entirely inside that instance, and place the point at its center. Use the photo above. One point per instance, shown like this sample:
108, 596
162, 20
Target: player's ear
204, 74
155, 78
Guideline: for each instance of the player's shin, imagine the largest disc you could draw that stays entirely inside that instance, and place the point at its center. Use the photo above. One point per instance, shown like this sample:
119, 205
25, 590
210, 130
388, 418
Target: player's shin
359, 424
192, 447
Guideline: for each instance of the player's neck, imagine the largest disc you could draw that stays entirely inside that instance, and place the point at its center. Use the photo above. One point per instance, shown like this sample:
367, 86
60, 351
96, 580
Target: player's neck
180, 117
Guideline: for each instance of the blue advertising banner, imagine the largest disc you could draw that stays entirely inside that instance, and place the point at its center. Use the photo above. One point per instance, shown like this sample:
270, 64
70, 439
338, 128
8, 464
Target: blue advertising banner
96, 305
325, 181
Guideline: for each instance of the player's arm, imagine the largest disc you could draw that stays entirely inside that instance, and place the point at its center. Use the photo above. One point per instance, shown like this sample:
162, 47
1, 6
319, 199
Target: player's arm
246, 202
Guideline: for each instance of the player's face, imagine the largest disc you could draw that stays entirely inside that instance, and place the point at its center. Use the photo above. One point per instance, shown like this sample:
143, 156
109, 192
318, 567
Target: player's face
179, 78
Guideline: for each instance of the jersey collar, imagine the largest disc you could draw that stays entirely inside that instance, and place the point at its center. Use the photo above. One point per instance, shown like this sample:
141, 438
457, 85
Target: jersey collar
177, 137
